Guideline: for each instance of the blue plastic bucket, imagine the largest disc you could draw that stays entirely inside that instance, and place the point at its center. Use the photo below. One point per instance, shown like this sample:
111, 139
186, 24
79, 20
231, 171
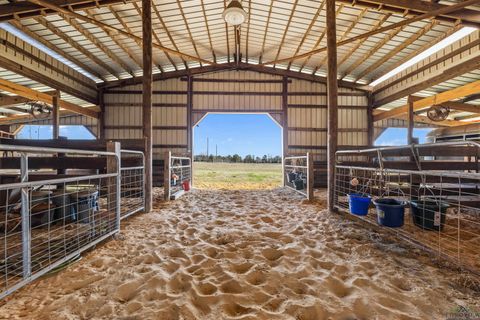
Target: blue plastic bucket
358, 204
390, 212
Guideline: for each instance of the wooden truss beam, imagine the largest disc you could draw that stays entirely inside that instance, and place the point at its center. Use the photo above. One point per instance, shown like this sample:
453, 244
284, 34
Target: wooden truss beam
463, 91
427, 15
49, 45
31, 94
6, 101
422, 49
24, 9
27, 117
231, 66
466, 16
105, 26
447, 74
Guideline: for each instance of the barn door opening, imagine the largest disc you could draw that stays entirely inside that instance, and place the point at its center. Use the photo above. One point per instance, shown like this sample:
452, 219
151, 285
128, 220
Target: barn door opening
237, 151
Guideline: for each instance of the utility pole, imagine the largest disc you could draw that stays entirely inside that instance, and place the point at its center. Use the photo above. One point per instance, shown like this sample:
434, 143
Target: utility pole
216, 151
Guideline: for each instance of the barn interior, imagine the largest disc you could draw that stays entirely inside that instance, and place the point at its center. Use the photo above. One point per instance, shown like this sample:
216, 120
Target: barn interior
114, 227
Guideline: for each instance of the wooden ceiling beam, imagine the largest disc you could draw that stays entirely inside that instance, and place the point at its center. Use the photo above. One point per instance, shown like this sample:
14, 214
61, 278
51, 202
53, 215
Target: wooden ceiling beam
204, 13
440, 98
422, 49
118, 42
266, 31
320, 38
11, 100
104, 26
21, 10
187, 27
467, 16
357, 63
397, 50
31, 94
289, 21
307, 32
230, 66
428, 15
56, 31
170, 37
49, 45
97, 43
344, 35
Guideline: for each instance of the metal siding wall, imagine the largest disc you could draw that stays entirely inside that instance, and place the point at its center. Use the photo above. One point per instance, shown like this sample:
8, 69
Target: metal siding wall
309, 122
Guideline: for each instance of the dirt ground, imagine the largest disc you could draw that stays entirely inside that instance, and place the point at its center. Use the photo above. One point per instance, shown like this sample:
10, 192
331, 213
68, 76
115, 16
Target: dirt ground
245, 255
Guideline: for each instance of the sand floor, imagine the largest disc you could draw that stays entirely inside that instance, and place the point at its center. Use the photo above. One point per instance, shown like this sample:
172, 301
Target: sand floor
244, 255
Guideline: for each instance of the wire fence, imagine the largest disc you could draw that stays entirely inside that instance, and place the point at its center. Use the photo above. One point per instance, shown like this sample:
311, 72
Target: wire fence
298, 174
49, 217
438, 210
132, 182
178, 176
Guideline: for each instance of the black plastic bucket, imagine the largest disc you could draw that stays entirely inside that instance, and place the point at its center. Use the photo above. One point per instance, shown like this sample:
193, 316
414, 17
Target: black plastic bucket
298, 183
390, 212
429, 214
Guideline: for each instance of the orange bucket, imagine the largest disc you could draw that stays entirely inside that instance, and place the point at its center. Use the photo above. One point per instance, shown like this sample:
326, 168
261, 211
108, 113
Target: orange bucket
186, 185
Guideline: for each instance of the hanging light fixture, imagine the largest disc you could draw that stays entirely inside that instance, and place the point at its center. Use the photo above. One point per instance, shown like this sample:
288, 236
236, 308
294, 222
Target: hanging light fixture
234, 14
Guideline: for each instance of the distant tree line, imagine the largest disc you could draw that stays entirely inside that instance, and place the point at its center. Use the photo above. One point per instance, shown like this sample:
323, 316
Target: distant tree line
249, 158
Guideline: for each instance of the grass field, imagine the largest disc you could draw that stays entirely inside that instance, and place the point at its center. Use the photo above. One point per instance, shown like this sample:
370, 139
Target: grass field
237, 176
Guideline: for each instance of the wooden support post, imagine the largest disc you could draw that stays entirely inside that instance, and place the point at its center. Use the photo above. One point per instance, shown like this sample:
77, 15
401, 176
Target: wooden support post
285, 115
189, 115
56, 115
167, 175
310, 175
147, 100
410, 121
113, 186
332, 91
370, 122
101, 118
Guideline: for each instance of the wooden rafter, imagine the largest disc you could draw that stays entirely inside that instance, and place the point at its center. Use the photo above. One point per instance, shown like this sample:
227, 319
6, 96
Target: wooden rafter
226, 33
114, 29
463, 91
319, 40
344, 35
394, 52
170, 37
467, 16
361, 41
118, 42
190, 36
357, 63
204, 12
31, 94
248, 29
289, 21
422, 49
90, 37
49, 45
11, 100
56, 31
23, 9
266, 31
307, 32
428, 15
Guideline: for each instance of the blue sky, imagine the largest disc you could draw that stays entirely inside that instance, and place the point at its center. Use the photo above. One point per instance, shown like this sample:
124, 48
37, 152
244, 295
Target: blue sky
45, 132
398, 136
244, 134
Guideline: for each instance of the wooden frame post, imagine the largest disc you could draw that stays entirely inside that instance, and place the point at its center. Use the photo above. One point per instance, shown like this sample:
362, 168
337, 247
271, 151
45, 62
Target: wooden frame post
101, 118
189, 115
147, 99
410, 120
332, 91
285, 115
370, 122
310, 174
56, 115
167, 175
